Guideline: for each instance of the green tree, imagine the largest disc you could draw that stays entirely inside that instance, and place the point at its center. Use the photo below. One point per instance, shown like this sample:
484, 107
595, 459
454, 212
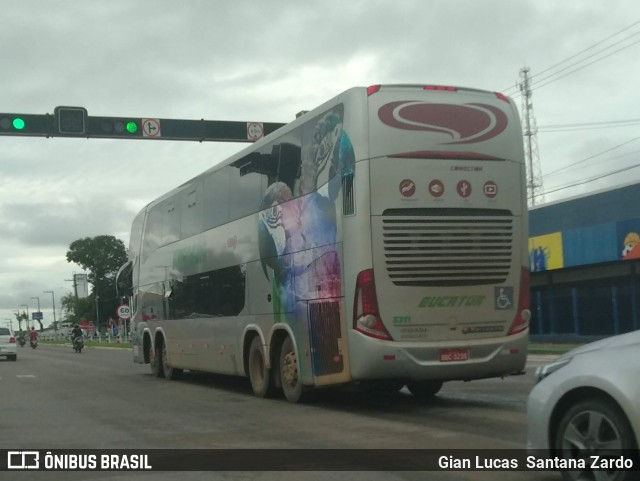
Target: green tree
21, 316
77, 309
102, 257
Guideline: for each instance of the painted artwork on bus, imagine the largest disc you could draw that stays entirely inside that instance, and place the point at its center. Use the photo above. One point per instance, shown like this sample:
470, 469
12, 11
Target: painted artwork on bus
298, 226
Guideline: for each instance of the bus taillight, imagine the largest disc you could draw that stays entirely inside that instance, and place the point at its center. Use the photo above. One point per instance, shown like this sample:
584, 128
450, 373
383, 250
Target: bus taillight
366, 317
523, 314
372, 89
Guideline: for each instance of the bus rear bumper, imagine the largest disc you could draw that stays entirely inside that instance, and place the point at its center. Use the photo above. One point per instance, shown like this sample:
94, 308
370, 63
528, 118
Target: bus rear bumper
376, 359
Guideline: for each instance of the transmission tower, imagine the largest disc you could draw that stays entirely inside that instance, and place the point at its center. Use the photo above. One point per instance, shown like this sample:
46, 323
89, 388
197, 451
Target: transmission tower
535, 194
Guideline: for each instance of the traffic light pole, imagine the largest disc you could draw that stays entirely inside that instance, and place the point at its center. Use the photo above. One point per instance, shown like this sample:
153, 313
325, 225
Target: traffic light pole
75, 122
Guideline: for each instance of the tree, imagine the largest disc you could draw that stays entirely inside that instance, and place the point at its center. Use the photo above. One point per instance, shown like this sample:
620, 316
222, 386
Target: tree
77, 309
21, 317
102, 257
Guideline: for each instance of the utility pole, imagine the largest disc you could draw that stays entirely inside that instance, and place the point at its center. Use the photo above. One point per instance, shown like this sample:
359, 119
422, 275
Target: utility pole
97, 314
53, 301
535, 194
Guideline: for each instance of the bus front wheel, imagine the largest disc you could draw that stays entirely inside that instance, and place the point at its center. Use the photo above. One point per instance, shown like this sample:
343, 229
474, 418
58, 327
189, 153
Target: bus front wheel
290, 373
259, 374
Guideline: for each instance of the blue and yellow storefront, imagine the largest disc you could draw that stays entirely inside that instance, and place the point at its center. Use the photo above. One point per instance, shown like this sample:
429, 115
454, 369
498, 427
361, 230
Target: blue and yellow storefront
584, 257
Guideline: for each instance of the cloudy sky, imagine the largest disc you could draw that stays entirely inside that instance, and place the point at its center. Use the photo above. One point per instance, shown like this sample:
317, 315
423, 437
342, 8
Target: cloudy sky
248, 60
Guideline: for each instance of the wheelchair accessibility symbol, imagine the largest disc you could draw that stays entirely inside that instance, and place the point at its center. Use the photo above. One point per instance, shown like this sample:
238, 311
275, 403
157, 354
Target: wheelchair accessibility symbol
503, 298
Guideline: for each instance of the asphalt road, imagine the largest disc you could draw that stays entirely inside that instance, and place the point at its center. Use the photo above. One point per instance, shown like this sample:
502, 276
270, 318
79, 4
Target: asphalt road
52, 398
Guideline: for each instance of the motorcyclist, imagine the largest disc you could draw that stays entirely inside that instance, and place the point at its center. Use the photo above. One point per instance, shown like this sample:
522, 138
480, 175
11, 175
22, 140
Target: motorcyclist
76, 332
33, 335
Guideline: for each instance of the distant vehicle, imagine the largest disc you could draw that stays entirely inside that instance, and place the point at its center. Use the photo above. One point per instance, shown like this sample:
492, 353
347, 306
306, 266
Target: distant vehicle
380, 237
586, 403
8, 346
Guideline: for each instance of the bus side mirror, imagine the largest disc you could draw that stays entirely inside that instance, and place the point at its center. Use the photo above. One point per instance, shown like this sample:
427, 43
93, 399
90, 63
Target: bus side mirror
124, 280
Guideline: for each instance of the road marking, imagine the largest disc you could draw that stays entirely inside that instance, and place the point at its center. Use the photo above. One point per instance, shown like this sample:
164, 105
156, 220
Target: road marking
22, 376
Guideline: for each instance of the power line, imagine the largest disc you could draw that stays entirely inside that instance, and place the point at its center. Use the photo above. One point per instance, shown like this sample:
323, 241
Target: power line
591, 157
592, 179
533, 82
588, 125
536, 86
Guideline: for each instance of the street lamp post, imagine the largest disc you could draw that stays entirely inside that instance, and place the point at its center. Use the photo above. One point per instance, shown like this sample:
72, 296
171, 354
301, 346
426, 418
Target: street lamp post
39, 313
53, 301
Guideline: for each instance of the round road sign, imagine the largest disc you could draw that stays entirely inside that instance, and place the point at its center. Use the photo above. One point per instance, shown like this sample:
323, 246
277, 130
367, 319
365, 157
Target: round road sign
255, 131
123, 311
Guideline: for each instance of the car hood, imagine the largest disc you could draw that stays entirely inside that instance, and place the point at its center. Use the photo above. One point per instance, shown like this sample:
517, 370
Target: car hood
613, 342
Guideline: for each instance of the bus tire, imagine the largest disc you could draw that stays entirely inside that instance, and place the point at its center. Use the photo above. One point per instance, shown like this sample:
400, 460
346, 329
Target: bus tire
290, 373
155, 355
424, 389
259, 374
170, 373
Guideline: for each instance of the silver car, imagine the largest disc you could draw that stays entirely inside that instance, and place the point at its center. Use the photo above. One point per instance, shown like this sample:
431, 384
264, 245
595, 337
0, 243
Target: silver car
587, 404
8, 344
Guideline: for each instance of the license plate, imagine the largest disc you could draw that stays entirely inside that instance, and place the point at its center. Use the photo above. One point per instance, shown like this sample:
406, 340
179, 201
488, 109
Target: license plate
454, 355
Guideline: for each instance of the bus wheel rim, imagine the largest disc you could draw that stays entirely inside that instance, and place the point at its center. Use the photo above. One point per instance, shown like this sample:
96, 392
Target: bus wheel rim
290, 369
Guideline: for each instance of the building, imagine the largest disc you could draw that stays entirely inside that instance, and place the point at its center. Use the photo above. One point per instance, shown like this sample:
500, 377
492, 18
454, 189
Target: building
584, 258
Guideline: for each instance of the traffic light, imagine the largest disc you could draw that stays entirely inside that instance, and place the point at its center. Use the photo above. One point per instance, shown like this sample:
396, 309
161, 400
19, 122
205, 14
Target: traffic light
75, 122
25, 124
115, 127
70, 120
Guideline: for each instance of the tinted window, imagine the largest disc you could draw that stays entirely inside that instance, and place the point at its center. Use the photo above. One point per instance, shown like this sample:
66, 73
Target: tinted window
215, 293
170, 221
321, 140
191, 211
152, 230
249, 184
4, 331
216, 198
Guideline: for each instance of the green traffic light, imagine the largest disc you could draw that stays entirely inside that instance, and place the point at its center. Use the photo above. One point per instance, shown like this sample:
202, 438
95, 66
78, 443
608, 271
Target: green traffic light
18, 123
132, 127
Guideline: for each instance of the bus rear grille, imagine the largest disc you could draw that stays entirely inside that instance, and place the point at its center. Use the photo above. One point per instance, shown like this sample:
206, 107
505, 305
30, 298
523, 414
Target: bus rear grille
324, 330
447, 247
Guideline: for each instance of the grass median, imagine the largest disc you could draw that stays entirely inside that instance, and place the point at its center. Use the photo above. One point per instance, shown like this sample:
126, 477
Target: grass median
121, 345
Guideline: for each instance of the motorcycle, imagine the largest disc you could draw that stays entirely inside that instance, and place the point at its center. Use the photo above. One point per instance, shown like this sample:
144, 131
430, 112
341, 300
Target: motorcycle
21, 341
33, 343
78, 344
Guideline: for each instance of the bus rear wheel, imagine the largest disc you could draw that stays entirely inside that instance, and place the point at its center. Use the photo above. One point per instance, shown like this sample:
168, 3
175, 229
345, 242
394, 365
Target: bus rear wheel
259, 374
170, 373
290, 373
155, 356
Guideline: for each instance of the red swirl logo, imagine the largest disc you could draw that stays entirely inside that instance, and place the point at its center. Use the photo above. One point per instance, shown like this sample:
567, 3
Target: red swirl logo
464, 124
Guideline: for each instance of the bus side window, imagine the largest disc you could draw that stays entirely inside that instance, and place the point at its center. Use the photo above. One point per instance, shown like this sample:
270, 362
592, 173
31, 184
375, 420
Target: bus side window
171, 220
191, 211
152, 231
250, 182
216, 198
289, 164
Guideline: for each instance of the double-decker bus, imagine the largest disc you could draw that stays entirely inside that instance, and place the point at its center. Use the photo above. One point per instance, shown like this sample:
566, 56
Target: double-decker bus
379, 237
